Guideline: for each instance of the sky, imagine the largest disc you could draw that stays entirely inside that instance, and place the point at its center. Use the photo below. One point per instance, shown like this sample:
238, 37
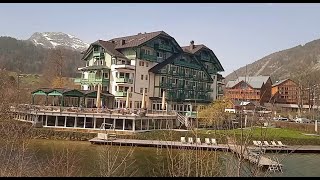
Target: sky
238, 34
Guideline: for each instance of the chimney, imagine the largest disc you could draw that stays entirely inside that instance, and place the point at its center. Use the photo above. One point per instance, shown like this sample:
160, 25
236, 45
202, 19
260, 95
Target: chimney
191, 45
122, 42
139, 33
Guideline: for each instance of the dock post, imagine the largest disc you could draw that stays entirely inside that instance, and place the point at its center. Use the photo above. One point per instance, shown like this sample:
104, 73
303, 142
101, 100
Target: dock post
133, 124
75, 122
56, 122
94, 122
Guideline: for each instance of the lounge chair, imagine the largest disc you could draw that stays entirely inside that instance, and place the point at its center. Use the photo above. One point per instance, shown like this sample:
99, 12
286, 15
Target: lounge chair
190, 140
266, 144
256, 143
207, 141
183, 140
280, 144
214, 142
198, 141
274, 144
259, 143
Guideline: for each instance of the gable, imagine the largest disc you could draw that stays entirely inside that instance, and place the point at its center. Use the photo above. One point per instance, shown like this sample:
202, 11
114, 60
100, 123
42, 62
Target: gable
101, 47
242, 85
163, 43
183, 60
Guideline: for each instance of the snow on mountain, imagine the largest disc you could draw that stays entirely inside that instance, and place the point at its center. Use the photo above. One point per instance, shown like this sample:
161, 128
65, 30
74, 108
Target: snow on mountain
54, 39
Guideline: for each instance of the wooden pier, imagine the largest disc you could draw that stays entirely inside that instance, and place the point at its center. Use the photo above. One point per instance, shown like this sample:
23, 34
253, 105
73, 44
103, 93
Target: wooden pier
256, 158
157, 143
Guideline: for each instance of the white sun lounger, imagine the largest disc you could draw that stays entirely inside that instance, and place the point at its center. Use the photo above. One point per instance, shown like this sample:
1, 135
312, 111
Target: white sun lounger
214, 142
198, 141
190, 140
256, 143
274, 144
266, 144
183, 140
280, 144
207, 141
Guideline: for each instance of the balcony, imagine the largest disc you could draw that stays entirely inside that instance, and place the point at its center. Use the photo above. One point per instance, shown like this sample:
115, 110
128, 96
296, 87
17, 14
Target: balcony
220, 92
148, 57
203, 96
186, 64
97, 54
189, 86
163, 47
123, 66
180, 85
188, 75
122, 94
181, 73
205, 58
209, 89
163, 71
124, 80
102, 81
192, 114
211, 71
201, 88
164, 84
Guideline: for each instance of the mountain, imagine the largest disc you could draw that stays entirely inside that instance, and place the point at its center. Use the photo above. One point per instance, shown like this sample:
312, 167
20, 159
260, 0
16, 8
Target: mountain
55, 39
24, 57
300, 63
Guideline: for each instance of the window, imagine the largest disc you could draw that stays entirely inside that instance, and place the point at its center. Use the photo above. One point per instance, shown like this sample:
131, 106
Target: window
106, 75
141, 63
115, 88
146, 77
147, 64
141, 90
131, 89
146, 90
141, 76
159, 54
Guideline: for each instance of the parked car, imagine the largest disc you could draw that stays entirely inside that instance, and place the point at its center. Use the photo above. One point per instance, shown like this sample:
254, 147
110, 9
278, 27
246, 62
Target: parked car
280, 119
302, 120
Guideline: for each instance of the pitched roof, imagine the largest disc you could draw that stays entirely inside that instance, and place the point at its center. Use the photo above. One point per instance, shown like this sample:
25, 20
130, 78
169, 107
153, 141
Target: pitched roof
255, 82
108, 46
279, 82
94, 67
171, 59
136, 40
195, 49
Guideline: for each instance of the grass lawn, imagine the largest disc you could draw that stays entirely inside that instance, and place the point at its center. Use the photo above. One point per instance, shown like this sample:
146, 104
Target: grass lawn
287, 136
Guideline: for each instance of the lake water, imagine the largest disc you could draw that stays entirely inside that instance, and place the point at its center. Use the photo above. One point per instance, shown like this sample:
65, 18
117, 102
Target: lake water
149, 161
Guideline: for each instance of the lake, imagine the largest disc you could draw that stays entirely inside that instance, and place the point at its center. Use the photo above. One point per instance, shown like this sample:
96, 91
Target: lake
150, 161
